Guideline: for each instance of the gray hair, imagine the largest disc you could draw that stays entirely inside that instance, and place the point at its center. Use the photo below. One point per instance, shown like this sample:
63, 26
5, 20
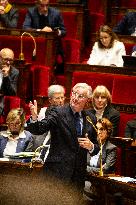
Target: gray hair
55, 89
84, 86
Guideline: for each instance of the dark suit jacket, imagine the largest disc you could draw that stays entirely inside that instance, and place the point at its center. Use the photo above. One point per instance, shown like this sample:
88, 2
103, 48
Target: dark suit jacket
130, 130
109, 154
32, 20
10, 19
21, 145
9, 83
127, 25
113, 116
66, 159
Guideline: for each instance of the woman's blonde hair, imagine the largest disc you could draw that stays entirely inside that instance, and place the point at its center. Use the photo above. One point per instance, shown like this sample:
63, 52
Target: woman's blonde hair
101, 90
16, 114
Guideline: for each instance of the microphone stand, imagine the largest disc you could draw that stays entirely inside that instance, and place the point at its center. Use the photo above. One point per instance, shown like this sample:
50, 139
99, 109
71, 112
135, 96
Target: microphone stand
90, 121
101, 170
21, 55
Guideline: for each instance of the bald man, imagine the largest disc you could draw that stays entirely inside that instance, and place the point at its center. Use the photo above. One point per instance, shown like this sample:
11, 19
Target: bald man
8, 75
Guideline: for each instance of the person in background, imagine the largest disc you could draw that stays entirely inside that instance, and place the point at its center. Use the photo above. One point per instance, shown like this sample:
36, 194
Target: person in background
102, 108
134, 51
8, 15
107, 50
71, 136
42, 17
109, 151
127, 25
15, 139
8, 76
130, 130
56, 96
109, 154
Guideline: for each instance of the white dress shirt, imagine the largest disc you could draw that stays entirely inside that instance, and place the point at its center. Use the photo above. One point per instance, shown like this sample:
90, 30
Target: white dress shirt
109, 56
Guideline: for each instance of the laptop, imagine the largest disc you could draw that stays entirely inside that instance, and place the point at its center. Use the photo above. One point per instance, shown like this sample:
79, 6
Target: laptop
129, 61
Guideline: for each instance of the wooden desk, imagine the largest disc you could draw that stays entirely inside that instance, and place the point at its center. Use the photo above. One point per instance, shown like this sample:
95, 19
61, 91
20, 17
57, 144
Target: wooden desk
128, 155
71, 67
105, 190
18, 168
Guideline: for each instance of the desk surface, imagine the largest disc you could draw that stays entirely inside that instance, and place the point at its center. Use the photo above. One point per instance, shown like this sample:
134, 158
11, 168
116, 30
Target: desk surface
106, 189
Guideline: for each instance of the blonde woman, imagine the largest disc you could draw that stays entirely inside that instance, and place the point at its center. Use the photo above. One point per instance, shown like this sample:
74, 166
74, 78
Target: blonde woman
15, 139
101, 101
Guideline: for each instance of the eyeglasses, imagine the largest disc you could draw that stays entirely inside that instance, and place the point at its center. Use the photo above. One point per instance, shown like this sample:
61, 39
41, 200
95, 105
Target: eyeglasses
100, 129
77, 95
43, 5
59, 98
8, 59
3, 1
14, 124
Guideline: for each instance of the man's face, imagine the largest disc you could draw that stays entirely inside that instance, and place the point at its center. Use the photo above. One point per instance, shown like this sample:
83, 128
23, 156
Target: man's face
57, 99
78, 99
3, 3
6, 58
43, 6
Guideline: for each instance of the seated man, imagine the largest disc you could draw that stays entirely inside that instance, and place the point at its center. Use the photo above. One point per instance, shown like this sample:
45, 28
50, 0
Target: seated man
134, 51
8, 76
56, 96
127, 25
8, 15
42, 17
130, 130
15, 139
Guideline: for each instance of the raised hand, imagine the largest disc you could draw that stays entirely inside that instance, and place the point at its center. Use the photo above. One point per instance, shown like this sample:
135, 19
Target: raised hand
33, 110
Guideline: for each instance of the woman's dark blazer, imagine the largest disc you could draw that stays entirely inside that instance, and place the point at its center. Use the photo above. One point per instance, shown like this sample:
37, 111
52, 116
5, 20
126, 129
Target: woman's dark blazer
113, 116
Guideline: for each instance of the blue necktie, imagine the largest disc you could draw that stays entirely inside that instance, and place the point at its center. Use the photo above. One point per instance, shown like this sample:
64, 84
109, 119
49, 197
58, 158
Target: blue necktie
77, 123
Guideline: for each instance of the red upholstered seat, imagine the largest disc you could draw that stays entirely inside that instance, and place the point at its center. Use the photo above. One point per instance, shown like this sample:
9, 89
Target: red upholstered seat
71, 49
96, 19
128, 47
96, 6
41, 80
124, 89
124, 118
71, 24
128, 4
93, 79
22, 14
14, 42
11, 102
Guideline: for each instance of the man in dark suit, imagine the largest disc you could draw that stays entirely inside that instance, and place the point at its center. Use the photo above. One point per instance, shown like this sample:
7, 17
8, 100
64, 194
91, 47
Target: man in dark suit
8, 75
127, 25
42, 17
67, 157
8, 15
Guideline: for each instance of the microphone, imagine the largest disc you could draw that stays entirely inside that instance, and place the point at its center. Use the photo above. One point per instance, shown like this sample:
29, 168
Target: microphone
36, 158
21, 55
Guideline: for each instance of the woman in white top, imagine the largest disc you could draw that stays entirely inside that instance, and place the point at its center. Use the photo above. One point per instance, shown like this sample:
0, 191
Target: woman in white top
107, 50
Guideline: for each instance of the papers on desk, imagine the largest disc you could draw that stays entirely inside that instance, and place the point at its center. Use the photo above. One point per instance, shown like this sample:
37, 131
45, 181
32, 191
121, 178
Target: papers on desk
4, 159
123, 179
23, 155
